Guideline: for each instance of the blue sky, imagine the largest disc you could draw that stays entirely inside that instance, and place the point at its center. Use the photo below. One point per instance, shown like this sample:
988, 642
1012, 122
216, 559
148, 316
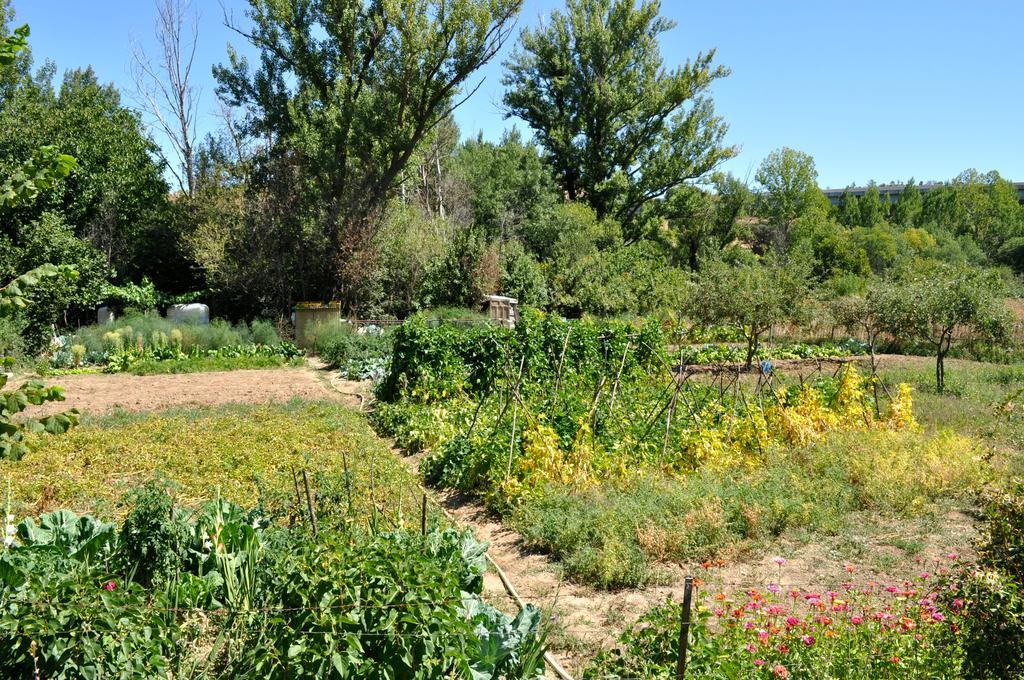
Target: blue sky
873, 90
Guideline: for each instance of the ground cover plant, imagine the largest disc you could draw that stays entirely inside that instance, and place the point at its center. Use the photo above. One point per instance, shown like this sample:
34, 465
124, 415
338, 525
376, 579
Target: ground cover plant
226, 591
584, 438
953, 618
184, 582
239, 450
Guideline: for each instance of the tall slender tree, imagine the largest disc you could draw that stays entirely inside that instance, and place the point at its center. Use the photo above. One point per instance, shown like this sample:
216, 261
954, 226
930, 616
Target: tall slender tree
165, 88
909, 205
619, 130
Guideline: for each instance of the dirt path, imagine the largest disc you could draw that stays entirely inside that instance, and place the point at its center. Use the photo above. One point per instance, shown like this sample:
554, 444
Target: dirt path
101, 393
587, 619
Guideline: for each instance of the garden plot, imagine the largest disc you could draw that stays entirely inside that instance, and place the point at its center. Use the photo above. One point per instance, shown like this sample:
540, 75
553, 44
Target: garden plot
591, 452
105, 393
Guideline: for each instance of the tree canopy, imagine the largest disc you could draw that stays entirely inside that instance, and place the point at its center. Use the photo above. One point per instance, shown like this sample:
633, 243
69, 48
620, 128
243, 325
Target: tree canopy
345, 93
619, 130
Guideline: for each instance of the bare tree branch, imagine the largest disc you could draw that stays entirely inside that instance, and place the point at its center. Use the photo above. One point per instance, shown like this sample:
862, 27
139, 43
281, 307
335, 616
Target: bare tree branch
164, 88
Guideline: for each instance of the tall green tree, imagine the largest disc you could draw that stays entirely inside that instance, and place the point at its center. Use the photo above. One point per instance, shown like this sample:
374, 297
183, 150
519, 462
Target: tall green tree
849, 209
619, 130
872, 210
787, 189
116, 200
345, 93
753, 298
508, 184
909, 205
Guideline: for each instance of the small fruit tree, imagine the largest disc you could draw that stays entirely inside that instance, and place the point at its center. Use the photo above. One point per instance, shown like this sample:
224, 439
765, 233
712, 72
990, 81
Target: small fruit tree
939, 306
753, 297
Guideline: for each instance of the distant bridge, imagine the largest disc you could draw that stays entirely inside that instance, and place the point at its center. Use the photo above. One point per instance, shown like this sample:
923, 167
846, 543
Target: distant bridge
893, 191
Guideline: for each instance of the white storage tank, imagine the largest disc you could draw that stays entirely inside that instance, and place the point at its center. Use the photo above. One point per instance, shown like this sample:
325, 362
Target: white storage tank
190, 313
104, 315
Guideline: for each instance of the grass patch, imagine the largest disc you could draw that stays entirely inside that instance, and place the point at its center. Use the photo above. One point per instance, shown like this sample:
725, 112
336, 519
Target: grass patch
245, 452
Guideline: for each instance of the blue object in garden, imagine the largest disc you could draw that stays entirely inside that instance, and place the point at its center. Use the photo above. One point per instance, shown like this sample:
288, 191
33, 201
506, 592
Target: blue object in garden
766, 367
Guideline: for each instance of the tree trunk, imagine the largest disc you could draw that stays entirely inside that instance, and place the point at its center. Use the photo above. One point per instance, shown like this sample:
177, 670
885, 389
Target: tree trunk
940, 371
751, 349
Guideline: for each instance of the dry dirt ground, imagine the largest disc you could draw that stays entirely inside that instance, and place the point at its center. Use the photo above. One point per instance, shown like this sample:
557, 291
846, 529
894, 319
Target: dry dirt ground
100, 394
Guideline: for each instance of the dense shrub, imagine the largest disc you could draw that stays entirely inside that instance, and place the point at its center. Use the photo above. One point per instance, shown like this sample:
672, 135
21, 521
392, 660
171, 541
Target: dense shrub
11, 343
994, 594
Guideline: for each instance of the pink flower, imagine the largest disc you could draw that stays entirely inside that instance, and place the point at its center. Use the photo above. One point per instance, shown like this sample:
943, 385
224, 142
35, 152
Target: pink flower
775, 610
773, 588
780, 671
751, 648
952, 556
110, 585
758, 662
856, 620
792, 621
807, 639
779, 560
762, 636
937, 616
891, 589
924, 576
958, 604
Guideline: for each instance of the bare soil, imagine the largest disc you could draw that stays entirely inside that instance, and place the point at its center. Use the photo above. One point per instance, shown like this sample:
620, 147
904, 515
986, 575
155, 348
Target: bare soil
100, 394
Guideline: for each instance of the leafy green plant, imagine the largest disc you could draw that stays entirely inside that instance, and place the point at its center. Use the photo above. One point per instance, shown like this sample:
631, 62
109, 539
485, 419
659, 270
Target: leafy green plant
15, 439
247, 597
154, 536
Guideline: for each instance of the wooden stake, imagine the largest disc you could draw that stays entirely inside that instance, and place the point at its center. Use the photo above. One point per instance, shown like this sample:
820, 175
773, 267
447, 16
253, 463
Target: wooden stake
309, 501
684, 628
298, 495
423, 516
348, 481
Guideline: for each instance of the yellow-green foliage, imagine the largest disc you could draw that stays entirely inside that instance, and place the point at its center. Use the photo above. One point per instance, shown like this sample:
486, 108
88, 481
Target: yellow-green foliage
904, 471
78, 354
230, 448
113, 340
158, 339
722, 438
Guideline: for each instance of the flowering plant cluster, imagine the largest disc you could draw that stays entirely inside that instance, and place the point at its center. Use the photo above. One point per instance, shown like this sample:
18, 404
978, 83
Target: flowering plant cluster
859, 629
